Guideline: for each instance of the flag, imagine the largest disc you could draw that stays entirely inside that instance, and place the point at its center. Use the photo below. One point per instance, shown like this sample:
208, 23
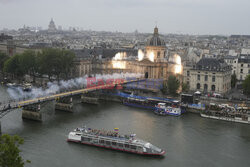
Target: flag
116, 129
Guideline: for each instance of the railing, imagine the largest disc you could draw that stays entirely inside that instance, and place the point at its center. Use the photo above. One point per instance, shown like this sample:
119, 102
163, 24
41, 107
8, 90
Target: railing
6, 107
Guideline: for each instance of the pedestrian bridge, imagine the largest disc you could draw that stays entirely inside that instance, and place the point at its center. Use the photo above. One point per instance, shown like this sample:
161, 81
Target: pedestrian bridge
7, 107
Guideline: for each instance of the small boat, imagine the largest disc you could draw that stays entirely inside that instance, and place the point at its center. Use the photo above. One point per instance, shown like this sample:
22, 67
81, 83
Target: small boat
113, 140
27, 87
162, 109
11, 85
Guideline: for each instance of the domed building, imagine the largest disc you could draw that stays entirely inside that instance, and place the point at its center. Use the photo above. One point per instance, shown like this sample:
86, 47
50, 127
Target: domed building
52, 26
156, 47
154, 63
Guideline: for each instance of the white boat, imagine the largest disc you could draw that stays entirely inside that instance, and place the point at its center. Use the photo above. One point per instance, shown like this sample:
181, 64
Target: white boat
162, 109
113, 140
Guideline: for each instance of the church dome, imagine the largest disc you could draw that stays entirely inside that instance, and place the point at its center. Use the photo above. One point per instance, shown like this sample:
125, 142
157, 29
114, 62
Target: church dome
155, 40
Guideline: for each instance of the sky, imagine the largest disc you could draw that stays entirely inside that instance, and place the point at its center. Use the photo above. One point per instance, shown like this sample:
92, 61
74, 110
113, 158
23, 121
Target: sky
197, 17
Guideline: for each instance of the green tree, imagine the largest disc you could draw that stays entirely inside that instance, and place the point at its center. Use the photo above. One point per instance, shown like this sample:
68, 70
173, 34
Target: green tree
49, 61
233, 80
164, 88
185, 87
56, 62
173, 85
246, 85
67, 62
12, 66
10, 152
3, 58
29, 63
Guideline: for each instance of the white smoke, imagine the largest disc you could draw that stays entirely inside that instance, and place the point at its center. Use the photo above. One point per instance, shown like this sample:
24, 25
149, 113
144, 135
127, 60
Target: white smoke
56, 87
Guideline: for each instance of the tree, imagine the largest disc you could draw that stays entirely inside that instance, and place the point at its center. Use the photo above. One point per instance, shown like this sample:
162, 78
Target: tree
3, 58
164, 88
49, 61
12, 66
56, 62
173, 85
10, 152
233, 80
185, 87
246, 85
29, 63
67, 62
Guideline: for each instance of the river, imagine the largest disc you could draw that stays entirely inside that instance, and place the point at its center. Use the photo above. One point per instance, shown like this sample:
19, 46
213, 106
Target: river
189, 140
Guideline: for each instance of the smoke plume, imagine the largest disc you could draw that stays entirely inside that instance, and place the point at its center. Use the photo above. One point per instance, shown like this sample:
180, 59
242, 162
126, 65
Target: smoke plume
56, 87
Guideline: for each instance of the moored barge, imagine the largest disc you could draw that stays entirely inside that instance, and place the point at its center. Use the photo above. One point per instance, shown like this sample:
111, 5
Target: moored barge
239, 114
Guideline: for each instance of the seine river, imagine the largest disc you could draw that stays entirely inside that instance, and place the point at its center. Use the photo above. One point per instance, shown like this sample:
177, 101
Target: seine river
189, 140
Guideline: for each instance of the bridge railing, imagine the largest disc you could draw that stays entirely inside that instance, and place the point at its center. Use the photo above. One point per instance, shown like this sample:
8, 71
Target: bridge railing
12, 104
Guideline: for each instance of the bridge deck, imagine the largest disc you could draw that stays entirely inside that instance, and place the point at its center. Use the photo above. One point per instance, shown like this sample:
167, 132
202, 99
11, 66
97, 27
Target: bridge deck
5, 108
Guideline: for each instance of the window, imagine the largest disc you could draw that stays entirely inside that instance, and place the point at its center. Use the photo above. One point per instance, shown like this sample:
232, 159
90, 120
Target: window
213, 78
188, 73
126, 145
198, 77
158, 54
241, 65
108, 143
213, 88
88, 139
241, 70
198, 86
133, 147
114, 143
205, 87
248, 65
101, 141
206, 77
120, 144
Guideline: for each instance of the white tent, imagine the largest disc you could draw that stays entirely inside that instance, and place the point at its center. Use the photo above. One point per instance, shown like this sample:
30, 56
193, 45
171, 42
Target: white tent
197, 92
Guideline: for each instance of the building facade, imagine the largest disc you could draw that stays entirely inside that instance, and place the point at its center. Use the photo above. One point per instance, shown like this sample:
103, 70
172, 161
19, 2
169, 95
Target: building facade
240, 65
210, 75
153, 64
243, 67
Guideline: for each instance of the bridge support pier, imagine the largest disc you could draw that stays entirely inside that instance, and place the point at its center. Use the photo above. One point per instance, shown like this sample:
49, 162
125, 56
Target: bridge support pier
39, 112
89, 100
64, 104
32, 112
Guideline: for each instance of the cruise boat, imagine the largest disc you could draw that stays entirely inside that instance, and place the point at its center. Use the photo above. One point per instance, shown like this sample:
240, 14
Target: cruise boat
227, 113
113, 140
163, 109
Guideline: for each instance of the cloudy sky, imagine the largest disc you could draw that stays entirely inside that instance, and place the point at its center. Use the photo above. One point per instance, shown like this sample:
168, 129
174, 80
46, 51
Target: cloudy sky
172, 16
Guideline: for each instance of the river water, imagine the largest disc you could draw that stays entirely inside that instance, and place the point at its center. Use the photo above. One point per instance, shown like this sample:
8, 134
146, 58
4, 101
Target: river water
189, 140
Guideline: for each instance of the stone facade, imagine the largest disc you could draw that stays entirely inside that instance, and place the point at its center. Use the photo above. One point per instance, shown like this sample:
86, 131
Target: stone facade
240, 65
153, 65
243, 67
210, 75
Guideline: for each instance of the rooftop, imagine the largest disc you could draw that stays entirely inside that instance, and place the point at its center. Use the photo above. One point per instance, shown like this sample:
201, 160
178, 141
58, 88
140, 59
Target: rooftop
211, 64
155, 40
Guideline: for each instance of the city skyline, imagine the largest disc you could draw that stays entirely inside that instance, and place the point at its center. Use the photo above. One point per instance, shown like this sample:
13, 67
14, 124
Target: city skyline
195, 17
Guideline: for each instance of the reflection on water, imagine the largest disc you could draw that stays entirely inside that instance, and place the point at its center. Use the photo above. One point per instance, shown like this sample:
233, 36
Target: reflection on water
189, 140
